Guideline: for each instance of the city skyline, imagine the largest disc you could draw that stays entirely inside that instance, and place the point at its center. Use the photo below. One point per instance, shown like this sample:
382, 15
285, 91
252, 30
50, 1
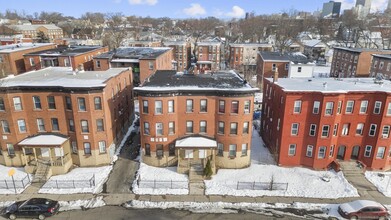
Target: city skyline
177, 9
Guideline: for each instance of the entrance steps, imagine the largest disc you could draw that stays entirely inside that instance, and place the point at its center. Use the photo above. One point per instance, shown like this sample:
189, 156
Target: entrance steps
196, 180
43, 173
351, 167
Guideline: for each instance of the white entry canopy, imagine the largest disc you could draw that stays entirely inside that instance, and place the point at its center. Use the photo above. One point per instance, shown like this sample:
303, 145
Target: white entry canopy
196, 142
44, 139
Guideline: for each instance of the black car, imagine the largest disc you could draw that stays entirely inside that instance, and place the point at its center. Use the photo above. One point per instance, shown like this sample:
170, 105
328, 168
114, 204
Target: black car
33, 208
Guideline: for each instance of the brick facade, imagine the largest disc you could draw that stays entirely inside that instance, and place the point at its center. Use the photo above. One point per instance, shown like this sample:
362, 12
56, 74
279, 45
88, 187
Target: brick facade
381, 64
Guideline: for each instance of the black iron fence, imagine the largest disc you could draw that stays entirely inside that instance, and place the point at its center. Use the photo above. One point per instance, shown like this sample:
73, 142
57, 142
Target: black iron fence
162, 184
16, 183
70, 184
261, 186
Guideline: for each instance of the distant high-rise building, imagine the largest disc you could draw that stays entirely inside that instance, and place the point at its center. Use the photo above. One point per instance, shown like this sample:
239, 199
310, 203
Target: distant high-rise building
363, 7
389, 5
331, 9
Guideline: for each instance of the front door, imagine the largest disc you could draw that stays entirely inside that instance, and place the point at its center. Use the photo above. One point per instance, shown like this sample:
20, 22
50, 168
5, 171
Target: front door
355, 152
341, 152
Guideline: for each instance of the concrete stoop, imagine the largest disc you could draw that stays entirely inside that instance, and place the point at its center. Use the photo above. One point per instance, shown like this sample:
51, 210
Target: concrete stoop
197, 188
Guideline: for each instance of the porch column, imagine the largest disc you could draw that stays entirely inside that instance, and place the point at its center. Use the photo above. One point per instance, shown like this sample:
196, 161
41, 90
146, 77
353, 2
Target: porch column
50, 156
62, 157
35, 155
24, 155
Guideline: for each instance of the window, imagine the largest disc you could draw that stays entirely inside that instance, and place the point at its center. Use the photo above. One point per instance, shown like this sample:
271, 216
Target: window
232, 150
235, 107
68, 103
315, 109
98, 103
380, 152
170, 106
299, 69
5, 126
234, 128
312, 130
322, 152
331, 152
82, 104
32, 62
55, 126
10, 149
99, 125
363, 107
202, 126
71, 125
386, 131
325, 130
158, 107
189, 126
2, 106
102, 147
150, 65
159, 129
376, 109
295, 129
40, 124
145, 106
309, 151
98, 63
220, 149
51, 102
17, 103
84, 126
345, 129
222, 106
221, 127
246, 127
203, 105
247, 106
360, 128
74, 147
189, 105
335, 130
87, 148
292, 150
171, 127
244, 149
159, 150
339, 108
368, 151
274, 66
147, 150
22, 126
349, 107
297, 106
37, 102
389, 109
372, 130
171, 149
146, 128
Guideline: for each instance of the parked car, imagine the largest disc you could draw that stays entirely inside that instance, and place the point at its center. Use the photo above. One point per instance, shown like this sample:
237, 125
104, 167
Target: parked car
363, 209
33, 208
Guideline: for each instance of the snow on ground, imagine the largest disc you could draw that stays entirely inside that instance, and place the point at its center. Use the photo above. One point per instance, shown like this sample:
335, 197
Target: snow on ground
82, 204
19, 176
302, 182
81, 184
147, 174
382, 181
131, 129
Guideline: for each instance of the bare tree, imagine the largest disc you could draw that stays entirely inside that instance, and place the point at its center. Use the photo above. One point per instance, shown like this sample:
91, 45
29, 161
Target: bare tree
51, 17
382, 23
116, 30
94, 17
286, 30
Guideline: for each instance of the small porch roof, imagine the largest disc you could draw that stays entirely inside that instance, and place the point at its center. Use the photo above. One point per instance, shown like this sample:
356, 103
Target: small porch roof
195, 142
43, 140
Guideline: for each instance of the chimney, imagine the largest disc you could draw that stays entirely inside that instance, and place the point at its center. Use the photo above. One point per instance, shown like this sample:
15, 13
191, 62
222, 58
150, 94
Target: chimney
275, 76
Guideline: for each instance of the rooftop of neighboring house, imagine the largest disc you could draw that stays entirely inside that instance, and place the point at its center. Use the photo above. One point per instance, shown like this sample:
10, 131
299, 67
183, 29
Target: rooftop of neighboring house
208, 43
170, 80
172, 43
60, 77
10, 48
359, 50
250, 45
333, 85
65, 51
313, 43
33, 27
384, 56
134, 53
295, 57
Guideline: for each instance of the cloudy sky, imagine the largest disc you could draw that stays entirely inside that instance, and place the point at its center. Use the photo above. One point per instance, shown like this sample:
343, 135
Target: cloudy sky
175, 8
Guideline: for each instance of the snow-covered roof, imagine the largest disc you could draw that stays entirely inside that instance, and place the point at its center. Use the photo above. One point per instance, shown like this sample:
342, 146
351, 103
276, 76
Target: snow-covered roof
250, 45
125, 60
357, 205
313, 43
61, 77
209, 43
44, 139
196, 142
333, 85
34, 27
21, 46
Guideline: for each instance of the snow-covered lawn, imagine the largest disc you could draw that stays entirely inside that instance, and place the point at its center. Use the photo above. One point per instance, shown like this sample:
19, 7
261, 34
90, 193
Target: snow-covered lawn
147, 175
78, 181
301, 182
81, 204
381, 180
22, 180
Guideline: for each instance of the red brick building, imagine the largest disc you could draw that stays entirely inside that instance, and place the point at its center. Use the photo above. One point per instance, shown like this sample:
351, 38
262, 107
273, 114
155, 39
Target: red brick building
381, 64
181, 54
353, 62
316, 122
208, 56
246, 54
65, 56
88, 111
187, 119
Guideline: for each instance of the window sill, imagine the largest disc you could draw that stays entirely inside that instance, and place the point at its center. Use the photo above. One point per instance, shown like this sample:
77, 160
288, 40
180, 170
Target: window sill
37, 109
102, 153
87, 155
232, 157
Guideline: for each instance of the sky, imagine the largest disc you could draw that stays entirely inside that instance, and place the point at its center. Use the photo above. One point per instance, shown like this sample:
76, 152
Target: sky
224, 9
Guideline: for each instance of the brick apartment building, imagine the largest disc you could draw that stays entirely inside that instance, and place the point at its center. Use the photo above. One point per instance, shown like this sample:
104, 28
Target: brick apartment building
11, 56
317, 122
186, 119
208, 56
61, 118
181, 54
381, 64
64, 56
31, 31
246, 54
144, 61
353, 62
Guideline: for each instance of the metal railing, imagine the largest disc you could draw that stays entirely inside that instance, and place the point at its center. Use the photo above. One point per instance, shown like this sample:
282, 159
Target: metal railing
261, 186
70, 184
19, 184
162, 184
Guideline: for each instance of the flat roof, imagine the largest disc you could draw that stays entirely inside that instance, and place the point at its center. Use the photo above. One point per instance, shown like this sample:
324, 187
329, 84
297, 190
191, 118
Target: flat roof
385, 56
21, 46
60, 77
333, 85
250, 45
134, 53
43, 139
65, 51
359, 50
296, 57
